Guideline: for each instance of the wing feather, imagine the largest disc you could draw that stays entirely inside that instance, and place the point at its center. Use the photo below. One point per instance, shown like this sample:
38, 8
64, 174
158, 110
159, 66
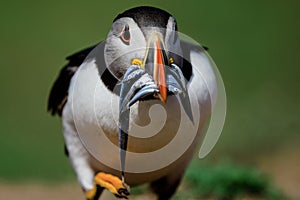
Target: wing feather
59, 91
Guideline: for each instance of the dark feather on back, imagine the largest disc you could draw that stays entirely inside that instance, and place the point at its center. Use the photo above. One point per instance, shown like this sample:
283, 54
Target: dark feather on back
59, 91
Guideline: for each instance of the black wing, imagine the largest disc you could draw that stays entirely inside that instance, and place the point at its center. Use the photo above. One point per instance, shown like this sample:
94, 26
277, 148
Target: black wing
59, 91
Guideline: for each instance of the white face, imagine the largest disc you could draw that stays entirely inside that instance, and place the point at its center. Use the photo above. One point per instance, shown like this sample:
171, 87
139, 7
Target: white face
172, 41
127, 41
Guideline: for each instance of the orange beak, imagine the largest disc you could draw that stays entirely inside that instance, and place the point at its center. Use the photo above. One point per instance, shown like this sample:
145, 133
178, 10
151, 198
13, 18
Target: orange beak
159, 74
154, 62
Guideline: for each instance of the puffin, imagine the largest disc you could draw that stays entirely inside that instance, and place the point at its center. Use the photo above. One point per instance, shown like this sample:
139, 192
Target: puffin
134, 107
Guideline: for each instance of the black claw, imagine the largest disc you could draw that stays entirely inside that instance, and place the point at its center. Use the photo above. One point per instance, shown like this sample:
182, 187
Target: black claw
123, 192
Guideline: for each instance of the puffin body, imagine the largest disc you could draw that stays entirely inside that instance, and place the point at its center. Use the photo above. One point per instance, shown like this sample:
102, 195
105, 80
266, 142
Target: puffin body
87, 95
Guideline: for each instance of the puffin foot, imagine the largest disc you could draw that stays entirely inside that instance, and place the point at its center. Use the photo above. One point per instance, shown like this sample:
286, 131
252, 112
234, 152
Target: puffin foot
92, 193
111, 183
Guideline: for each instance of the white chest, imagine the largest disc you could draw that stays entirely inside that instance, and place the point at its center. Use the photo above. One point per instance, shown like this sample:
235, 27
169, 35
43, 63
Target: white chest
157, 132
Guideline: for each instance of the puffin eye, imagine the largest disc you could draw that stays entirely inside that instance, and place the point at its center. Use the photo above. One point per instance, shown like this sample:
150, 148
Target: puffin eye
125, 35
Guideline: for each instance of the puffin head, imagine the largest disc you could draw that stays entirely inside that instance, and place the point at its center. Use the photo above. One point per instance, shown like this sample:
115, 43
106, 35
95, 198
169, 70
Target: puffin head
146, 36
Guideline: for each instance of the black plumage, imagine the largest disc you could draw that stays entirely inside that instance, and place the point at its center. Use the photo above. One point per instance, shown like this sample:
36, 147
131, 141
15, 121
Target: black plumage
146, 16
59, 91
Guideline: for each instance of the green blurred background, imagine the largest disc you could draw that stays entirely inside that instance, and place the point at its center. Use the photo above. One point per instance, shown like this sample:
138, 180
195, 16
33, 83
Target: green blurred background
255, 44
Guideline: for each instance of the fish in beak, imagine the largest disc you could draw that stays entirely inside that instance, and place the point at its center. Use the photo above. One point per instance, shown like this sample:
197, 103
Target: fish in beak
154, 78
